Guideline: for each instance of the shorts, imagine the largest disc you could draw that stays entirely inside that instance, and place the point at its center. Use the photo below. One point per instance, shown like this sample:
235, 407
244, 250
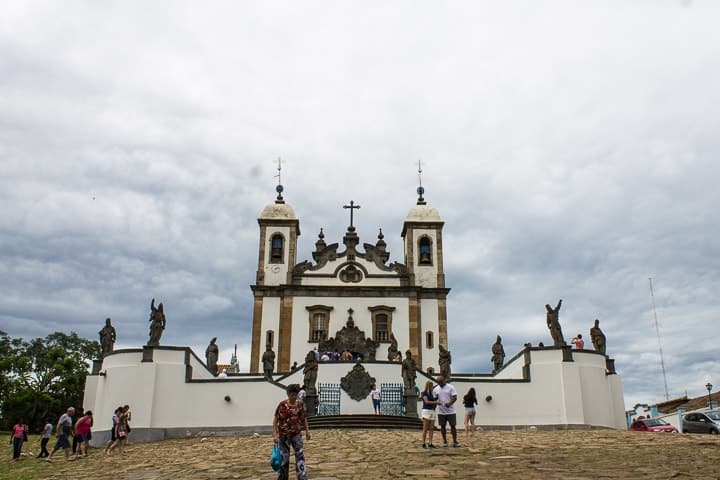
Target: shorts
428, 414
62, 442
113, 435
376, 403
80, 438
447, 418
470, 411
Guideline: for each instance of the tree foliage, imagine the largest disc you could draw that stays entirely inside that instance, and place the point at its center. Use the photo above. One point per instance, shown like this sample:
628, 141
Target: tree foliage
43, 376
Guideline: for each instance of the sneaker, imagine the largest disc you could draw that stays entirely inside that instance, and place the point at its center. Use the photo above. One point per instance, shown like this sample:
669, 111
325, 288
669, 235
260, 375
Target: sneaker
425, 446
444, 444
456, 444
431, 446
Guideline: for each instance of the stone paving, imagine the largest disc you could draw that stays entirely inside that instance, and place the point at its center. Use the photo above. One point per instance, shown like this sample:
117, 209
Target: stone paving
397, 454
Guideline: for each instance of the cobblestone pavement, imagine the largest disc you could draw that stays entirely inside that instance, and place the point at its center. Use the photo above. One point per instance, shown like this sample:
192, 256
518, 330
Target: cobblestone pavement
386, 454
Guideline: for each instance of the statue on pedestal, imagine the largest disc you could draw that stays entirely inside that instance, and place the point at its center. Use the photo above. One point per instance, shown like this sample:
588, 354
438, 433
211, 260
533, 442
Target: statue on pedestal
107, 338
310, 372
157, 323
211, 356
408, 372
445, 359
268, 360
553, 323
498, 354
598, 337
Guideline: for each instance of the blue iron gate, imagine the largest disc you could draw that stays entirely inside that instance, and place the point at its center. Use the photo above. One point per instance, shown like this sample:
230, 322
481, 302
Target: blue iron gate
328, 399
392, 398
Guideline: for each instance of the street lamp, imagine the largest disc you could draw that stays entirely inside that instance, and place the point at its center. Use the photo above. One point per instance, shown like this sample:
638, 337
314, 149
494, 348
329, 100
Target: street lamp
709, 388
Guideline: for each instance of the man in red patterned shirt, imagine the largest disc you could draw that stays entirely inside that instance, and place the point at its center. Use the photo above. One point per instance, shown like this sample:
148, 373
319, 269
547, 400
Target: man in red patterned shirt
288, 424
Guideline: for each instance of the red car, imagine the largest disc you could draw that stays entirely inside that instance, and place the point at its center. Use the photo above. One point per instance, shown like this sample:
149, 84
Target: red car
651, 425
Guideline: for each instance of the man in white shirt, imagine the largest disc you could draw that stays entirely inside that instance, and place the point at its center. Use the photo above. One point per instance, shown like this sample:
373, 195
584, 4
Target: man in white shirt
447, 396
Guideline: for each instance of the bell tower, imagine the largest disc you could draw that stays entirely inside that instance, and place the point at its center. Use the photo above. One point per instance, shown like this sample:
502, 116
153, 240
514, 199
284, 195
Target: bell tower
277, 255
427, 309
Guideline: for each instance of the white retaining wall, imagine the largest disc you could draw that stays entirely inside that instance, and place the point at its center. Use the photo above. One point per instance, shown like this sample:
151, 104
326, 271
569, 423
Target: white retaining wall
175, 395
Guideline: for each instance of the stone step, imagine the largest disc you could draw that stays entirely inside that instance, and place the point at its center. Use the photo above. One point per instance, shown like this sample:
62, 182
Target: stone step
365, 421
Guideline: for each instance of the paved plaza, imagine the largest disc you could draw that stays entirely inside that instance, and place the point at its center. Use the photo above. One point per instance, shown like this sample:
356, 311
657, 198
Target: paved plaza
388, 454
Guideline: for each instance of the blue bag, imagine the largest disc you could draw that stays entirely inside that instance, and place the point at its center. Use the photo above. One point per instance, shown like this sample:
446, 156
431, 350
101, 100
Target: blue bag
276, 457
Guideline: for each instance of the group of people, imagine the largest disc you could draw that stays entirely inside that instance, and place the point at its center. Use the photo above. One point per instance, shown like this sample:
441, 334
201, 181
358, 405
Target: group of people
438, 401
336, 356
76, 424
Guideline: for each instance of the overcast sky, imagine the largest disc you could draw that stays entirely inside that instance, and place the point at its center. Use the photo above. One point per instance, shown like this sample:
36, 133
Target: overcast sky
570, 147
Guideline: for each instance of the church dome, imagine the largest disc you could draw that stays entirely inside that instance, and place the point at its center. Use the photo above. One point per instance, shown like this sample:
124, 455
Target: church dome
280, 211
423, 213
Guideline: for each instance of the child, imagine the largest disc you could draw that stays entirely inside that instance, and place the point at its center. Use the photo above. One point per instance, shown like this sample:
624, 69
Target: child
46, 434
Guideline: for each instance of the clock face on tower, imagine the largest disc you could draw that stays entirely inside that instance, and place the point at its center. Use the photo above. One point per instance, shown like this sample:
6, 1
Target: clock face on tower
275, 268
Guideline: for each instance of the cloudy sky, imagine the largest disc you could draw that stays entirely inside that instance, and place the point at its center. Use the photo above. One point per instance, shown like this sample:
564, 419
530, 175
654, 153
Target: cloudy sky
571, 148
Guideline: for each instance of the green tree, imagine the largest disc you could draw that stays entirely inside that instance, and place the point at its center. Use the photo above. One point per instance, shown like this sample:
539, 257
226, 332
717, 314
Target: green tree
46, 375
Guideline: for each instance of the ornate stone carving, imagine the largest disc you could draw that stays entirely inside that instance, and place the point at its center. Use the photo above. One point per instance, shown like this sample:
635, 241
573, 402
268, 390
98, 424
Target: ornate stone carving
350, 338
350, 274
393, 348
357, 383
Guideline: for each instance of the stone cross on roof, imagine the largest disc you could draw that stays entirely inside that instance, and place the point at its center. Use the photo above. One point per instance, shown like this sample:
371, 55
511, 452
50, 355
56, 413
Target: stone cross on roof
352, 207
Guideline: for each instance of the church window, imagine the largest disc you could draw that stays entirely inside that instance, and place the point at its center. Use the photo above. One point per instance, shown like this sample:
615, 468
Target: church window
381, 327
381, 323
319, 317
425, 251
429, 343
276, 248
270, 338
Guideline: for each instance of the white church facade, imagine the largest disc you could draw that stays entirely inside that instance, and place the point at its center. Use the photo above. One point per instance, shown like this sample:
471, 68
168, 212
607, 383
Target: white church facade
300, 305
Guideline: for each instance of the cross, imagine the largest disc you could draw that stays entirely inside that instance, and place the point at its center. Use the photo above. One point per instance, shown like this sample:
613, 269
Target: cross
420, 172
352, 206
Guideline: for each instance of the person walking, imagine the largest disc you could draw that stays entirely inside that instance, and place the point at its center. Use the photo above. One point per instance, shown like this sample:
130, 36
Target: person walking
63, 430
446, 396
17, 437
46, 434
429, 403
376, 396
469, 402
110, 445
288, 423
82, 432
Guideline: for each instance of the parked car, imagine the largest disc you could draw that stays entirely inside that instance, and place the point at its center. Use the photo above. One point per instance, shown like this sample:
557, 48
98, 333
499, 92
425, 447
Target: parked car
702, 422
651, 425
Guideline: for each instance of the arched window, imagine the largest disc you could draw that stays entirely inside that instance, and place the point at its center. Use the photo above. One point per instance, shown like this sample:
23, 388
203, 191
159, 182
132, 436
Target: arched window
381, 317
425, 251
429, 343
319, 317
276, 248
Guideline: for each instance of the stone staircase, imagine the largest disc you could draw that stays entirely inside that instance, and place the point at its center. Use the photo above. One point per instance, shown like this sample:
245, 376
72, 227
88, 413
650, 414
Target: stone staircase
365, 421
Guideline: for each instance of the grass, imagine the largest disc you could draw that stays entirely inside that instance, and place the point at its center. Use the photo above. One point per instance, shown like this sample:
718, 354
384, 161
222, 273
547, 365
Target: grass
29, 467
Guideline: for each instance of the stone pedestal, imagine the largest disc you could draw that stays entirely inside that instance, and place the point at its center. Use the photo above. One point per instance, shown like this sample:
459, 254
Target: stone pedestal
411, 401
96, 367
610, 365
311, 405
147, 354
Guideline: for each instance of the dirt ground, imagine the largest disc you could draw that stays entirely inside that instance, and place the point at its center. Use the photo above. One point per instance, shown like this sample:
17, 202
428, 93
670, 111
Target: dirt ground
385, 454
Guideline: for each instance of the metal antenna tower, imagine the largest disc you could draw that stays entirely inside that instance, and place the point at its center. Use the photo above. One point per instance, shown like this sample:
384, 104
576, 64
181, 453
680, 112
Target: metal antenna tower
657, 329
